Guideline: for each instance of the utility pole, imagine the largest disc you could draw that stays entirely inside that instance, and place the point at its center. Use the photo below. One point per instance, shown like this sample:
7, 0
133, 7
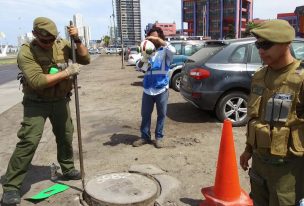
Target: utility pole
121, 37
115, 35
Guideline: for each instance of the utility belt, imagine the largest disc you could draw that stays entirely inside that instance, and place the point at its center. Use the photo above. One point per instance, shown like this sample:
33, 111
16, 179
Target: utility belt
37, 98
273, 160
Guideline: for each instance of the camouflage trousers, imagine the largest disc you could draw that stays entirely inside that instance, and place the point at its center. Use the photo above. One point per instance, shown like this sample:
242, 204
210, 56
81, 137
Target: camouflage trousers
30, 133
276, 182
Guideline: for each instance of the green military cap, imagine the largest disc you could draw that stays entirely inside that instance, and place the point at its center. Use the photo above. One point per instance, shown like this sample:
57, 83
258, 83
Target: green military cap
277, 31
45, 26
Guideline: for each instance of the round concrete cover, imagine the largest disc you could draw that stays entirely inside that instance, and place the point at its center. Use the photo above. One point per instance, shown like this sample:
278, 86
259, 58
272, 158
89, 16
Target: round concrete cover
122, 188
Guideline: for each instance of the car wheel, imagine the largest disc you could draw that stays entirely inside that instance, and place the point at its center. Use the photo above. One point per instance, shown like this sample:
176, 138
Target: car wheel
176, 80
233, 106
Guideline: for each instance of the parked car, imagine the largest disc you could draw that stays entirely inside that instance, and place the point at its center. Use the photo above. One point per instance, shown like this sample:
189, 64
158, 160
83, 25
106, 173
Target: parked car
133, 58
113, 50
94, 51
184, 49
218, 76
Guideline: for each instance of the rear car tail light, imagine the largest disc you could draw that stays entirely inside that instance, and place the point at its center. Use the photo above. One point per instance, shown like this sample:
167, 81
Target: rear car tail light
199, 73
196, 95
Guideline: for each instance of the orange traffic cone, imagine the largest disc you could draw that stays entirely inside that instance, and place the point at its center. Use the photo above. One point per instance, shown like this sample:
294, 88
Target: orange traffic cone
226, 190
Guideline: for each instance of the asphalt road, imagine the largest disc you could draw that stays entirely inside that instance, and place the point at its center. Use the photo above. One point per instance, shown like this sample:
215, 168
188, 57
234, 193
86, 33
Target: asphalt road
8, 73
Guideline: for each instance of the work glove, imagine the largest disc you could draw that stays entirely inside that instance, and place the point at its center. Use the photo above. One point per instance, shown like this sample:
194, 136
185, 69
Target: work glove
73, 69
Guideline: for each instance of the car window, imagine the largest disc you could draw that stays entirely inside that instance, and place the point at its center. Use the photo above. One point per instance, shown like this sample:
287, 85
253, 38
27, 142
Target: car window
238, 55
178, 48
191, 48
298, 49
205, 52
254, 57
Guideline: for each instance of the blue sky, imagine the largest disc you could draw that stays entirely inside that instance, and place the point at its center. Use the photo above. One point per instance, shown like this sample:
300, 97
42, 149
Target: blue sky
16, 16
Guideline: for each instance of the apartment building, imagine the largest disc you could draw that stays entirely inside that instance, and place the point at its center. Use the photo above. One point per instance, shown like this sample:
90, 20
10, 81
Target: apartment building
128, 21
169, 29
218, 19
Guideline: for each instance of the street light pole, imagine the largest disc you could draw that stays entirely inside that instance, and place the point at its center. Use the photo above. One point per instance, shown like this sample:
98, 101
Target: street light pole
115, 35
121, 37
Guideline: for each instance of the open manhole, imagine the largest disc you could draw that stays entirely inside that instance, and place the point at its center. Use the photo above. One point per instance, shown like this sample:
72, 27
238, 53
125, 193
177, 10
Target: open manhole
117, 189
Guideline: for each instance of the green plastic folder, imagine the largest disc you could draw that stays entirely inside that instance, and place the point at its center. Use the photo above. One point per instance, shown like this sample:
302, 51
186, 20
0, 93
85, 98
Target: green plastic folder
50, 192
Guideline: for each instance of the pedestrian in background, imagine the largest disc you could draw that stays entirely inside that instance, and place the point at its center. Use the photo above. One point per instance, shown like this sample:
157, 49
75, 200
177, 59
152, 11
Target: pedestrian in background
156, 86
275, 131
47, 88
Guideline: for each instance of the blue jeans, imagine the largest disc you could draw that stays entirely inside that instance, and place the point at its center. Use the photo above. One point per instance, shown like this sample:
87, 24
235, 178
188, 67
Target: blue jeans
148, 101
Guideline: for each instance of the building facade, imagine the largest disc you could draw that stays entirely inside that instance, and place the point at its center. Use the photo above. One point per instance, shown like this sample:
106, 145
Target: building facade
169, 29
299, 12
84, 32
290, 17
218, 19
128, 21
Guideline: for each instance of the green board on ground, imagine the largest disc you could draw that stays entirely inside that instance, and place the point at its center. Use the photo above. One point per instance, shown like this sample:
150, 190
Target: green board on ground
49, 192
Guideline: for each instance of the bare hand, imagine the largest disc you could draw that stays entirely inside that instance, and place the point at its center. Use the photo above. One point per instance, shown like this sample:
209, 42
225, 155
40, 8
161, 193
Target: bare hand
73, 31
244, 158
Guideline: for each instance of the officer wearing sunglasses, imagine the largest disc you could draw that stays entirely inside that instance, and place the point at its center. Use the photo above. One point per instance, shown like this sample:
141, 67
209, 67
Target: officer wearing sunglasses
275, 130
47, 86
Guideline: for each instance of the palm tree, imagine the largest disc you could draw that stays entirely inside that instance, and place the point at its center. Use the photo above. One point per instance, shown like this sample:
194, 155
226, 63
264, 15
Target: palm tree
106, 40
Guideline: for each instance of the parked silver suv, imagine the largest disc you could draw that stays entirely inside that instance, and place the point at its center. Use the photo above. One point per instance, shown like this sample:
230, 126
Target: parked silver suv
218, 76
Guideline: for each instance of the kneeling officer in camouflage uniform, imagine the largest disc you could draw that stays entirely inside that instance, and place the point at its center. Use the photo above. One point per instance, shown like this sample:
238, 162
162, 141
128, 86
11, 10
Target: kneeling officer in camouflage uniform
275, 130
47, 84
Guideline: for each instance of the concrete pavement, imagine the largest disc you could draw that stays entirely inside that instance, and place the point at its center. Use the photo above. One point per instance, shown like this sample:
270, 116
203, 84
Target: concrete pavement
10, 95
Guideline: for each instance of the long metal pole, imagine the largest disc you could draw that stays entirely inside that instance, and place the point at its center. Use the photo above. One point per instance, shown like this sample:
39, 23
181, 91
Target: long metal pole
115, 34
121, 37
77, 112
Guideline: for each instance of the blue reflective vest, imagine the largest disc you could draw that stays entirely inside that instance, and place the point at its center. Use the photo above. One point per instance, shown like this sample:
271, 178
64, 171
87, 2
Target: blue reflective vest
157, 75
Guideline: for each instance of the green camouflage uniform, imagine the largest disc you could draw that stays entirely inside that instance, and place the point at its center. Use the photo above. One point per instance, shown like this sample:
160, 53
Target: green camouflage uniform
41, 102
275, 132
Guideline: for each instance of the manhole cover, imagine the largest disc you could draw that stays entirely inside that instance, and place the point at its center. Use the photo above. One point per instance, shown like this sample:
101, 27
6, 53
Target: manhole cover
121, 189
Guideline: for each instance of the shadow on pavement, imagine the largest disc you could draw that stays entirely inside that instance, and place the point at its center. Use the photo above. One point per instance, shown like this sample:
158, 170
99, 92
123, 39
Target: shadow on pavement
117, 139
35, 174
191, 202
185, 112
137, 84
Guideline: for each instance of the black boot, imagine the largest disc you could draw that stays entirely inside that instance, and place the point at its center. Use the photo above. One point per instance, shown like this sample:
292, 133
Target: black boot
11, 197
72, 175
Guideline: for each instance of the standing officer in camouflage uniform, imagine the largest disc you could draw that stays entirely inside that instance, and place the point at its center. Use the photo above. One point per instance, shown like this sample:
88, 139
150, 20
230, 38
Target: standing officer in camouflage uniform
275, 132
47, 84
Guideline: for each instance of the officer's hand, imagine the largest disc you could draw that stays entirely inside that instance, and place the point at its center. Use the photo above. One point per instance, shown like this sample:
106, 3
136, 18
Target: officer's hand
244, 158
72, 70
73, 31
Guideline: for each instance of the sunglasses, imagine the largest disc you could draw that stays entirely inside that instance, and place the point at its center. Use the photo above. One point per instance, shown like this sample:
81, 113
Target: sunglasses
265, 45
47, 41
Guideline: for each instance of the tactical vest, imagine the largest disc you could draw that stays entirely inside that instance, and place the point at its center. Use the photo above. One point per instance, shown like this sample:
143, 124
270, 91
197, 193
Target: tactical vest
274, 124
60, 60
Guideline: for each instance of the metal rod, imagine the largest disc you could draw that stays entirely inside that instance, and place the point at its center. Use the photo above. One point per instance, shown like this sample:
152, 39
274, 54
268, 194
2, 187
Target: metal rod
77, 112
121, 37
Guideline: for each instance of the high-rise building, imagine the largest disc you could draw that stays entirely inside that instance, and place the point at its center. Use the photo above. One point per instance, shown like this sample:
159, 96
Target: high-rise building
217, 19
129, 21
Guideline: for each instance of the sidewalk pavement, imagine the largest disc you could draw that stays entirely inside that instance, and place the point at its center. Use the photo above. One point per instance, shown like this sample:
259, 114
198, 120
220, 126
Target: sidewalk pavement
10, 95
